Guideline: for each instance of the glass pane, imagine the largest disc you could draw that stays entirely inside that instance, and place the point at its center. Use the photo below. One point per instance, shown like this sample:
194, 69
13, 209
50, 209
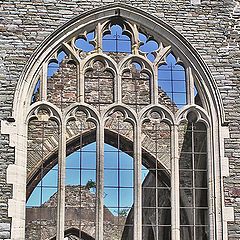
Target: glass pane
201, 217
164, 232
200, 161
164, 216
111, 196
201, 198
149, 197
201, 179
187, 233
126, 178
89, 159
126, 161
110, 158
126, 197
185, 161
111, 178
148, 232
73, 177
186, 179
186, 216
149, 216
186, 196
172, 80
202, 232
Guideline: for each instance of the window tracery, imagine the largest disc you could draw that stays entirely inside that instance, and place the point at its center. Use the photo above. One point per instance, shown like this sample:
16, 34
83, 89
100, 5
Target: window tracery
148, 46
85, 42
104, 82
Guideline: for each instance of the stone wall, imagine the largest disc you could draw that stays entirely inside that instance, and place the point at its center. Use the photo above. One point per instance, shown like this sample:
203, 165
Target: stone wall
211, 27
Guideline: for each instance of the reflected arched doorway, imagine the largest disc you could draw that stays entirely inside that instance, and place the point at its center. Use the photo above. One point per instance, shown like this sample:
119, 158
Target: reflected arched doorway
80, 193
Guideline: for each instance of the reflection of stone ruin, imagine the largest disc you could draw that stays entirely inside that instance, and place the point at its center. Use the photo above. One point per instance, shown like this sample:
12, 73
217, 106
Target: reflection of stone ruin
79, 218
84, 215
99, 87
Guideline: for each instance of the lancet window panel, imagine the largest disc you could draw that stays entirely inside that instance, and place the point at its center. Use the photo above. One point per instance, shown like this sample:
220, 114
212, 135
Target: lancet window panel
156, 178
43, 142
172, 83
193, 176
117, 39
118, 178
80, 181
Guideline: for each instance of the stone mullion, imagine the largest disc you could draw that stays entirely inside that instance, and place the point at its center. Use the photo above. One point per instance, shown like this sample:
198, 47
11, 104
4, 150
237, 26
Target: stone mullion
154, 86
100, 180
175, 200
79, 73
43, 84
81, 83
61, 183
118, 91
211, 195
137, 182
135, 40
189, 86
99, 36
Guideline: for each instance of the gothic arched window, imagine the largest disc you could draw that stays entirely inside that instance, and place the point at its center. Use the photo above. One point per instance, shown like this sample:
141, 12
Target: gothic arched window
102, 141
118, 143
